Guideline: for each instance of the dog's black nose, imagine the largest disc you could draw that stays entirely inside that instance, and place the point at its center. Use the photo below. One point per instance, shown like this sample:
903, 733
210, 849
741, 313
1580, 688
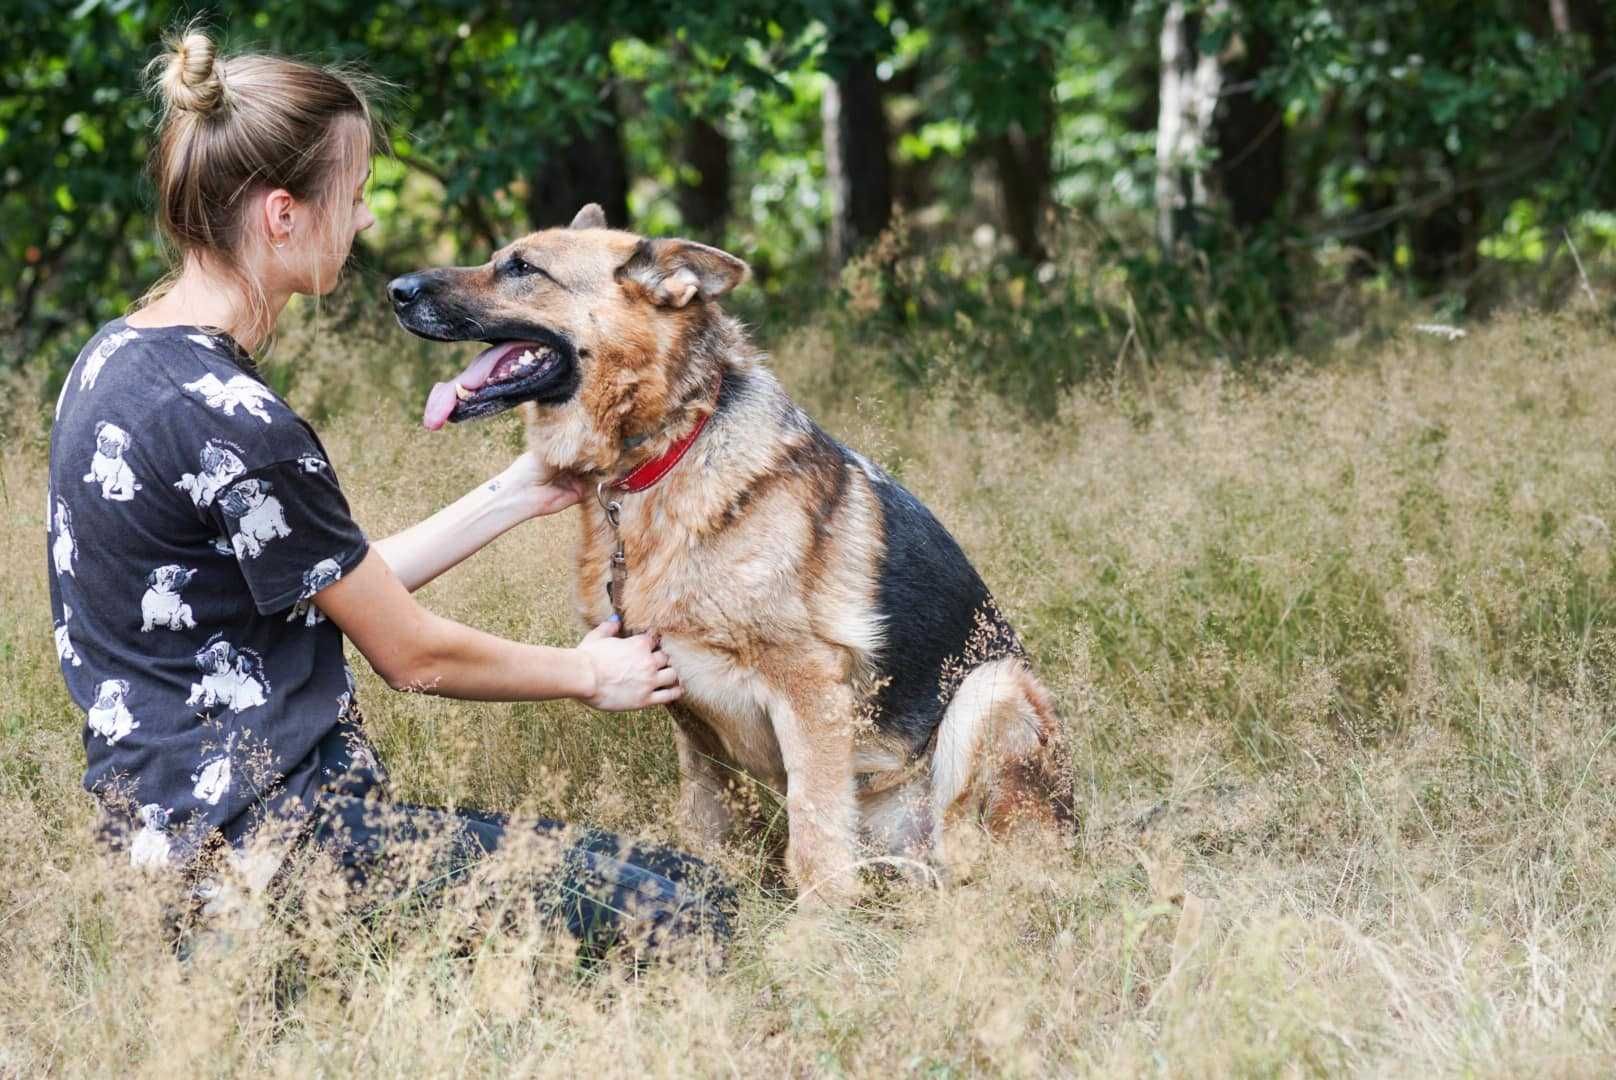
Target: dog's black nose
405, 290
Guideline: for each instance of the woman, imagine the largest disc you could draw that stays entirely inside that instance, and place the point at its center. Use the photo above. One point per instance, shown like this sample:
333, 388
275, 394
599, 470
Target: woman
205, 568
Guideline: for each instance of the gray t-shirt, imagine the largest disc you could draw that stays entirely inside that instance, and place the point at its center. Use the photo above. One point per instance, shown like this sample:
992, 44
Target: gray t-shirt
191, 515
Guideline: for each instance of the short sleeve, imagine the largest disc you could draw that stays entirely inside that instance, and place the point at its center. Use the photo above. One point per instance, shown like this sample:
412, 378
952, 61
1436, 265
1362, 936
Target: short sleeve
291, 530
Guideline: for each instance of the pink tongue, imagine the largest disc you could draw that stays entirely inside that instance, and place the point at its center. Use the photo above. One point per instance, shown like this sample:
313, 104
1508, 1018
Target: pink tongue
443, 399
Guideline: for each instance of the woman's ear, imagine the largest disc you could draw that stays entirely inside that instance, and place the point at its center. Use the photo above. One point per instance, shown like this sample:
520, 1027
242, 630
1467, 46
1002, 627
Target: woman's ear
280, 218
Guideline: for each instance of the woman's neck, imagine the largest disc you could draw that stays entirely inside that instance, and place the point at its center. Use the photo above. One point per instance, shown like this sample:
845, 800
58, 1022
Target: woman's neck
200, 297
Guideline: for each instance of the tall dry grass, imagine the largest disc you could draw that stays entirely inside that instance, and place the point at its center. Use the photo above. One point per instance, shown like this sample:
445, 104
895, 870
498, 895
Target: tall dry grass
1335, 654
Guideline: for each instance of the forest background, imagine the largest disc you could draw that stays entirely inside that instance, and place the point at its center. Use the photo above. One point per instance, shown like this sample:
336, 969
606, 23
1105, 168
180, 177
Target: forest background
1259, 355
1078, 184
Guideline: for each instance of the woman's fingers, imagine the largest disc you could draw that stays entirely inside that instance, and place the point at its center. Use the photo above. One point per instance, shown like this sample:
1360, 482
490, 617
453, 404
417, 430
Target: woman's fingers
667, 677
662, 697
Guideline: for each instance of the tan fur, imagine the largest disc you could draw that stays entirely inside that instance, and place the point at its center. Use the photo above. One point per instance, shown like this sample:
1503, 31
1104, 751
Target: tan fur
757, 558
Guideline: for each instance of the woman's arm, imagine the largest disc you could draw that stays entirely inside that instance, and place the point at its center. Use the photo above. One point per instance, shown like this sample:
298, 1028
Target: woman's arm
424, 550
414, 649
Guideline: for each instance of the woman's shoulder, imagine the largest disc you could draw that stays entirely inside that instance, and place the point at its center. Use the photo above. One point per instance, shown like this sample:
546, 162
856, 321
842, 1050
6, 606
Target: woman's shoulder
184, 381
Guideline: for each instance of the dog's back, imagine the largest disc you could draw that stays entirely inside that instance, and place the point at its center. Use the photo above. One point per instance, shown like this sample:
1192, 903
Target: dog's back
940, 620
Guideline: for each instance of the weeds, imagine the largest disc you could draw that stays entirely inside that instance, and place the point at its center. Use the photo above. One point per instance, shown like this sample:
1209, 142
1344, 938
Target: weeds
1335, 653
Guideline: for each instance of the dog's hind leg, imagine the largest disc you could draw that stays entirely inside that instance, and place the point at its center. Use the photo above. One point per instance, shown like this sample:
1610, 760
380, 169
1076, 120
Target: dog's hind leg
999, 757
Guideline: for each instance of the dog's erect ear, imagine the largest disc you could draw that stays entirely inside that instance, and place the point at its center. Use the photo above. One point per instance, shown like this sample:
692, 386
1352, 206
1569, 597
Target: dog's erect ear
590, 217
673, 272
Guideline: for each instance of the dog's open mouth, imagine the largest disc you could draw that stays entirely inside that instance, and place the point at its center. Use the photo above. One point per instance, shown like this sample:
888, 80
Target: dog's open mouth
501, 376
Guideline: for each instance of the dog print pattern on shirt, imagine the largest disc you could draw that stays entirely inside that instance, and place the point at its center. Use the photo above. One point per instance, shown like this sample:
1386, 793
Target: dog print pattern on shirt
220, 464
162, 605
322, 574
64, 644
190, 517
241, 391
91, 367
107, 466
212, 777
150, 848
259, 517
109, 717
64, 550
231, 677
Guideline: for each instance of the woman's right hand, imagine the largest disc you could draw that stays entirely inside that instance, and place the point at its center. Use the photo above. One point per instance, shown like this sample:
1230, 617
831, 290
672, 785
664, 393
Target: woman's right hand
629, 673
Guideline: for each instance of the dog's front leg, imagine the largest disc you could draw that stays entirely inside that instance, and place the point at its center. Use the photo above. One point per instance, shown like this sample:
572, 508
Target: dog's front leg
704, 812
813, 722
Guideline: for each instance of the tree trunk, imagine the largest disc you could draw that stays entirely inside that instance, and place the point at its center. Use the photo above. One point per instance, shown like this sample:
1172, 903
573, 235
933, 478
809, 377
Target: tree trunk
1443, 241
1190, 83
1250, 136
1377, 199
704, 201
584, 168
914, 182
857, 170
1560, 15
1022, 160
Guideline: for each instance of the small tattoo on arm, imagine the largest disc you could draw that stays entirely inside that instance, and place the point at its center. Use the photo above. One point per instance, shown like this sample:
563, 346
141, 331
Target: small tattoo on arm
493, 485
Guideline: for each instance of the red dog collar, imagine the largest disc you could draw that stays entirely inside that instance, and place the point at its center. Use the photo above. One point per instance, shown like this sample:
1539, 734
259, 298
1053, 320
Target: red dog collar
648, 474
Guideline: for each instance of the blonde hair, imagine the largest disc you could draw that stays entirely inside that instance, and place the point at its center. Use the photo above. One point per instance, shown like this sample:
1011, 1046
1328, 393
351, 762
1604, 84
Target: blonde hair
233, 125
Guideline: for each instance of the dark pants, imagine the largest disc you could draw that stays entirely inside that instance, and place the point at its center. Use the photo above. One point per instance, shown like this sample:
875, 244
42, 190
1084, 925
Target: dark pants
604, 891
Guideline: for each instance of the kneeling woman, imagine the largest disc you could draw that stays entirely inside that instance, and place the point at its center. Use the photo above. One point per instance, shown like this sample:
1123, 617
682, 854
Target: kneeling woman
205, 567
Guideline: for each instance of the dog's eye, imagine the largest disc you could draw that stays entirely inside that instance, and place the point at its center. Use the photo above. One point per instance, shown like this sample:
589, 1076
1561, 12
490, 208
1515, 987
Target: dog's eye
516, 266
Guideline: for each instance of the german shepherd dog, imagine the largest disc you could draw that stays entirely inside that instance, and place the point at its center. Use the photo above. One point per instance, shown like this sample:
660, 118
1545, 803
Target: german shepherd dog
833, 640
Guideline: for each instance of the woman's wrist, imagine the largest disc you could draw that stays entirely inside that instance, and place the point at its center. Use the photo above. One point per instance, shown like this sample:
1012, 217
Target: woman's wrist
512, 496
586, 674
523, 492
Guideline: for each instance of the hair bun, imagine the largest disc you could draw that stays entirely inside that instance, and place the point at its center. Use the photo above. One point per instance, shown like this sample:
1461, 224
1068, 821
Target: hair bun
192, 81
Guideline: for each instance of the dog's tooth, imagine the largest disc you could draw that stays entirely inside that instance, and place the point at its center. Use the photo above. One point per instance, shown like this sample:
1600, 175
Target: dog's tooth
462, 393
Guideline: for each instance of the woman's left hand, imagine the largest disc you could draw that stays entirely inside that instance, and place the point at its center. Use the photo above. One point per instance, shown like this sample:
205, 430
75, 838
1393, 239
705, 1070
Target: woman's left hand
539, 494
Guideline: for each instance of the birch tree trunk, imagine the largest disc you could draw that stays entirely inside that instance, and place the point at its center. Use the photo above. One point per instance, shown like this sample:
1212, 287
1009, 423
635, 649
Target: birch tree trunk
1190, 83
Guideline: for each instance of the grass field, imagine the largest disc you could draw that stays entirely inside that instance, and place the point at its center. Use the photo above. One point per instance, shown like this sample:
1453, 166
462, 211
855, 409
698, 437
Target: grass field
1335, 651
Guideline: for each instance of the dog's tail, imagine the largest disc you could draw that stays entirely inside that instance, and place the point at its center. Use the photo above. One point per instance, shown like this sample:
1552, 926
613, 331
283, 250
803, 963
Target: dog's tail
1001, 751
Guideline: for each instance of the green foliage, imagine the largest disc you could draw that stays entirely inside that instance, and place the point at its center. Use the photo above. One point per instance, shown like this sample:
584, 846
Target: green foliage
75, 246
969, 311
1423, 140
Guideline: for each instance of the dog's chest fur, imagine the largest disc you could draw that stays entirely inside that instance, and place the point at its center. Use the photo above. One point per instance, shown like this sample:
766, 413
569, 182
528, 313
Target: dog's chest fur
757, 552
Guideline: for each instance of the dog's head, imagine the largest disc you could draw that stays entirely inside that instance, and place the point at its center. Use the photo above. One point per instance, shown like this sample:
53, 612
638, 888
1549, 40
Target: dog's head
110, 439
245, 497
215, 658
220, 460
154, 815
170, 578
595, 330
64, 517
110, 694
